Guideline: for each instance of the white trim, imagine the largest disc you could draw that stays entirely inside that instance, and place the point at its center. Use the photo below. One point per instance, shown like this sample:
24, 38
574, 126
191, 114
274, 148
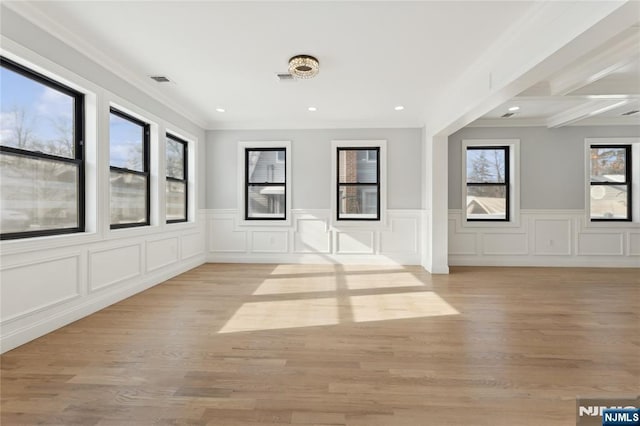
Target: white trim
382, 159
635, 180
242, 145
514, 182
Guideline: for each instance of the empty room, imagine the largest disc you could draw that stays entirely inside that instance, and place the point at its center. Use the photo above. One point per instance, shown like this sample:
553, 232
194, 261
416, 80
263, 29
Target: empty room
356, 213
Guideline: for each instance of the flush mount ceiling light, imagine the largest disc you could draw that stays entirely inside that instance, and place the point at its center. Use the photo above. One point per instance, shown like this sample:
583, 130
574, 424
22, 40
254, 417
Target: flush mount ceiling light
312, 109
220, 110
514, 108
399, 108
303, 66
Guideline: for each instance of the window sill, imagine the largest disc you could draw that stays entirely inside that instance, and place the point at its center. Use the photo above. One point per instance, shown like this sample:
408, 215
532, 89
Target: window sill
49, 242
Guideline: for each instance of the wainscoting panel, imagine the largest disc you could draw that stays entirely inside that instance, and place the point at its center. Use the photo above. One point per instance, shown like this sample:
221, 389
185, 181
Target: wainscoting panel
36, 286
161, 253
634, 243
191, 245
402, 238
552, 236
102, 272
601, 244
544, 238
312, 236
40, 292
355, 242
312, 239
269, 241
223, 237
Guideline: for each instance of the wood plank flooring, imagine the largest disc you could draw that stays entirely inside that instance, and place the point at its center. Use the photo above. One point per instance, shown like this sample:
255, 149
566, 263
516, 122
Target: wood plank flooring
338, 345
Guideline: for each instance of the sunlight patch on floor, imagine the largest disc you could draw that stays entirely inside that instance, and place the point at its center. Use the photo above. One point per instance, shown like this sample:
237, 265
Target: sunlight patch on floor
271, 315
295, 285
382, 307
382, 280
283, 314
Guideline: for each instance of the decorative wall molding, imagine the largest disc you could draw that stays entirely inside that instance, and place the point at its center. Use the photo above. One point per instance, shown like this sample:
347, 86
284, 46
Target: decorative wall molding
311, 238
41, 293
545, 238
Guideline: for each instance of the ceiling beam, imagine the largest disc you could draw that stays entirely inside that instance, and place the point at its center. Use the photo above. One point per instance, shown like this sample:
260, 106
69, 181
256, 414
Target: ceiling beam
622, 51
587, 110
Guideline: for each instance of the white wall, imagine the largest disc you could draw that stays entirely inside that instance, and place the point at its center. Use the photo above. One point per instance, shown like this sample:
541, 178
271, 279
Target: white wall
552, 229
47, 282
312, 237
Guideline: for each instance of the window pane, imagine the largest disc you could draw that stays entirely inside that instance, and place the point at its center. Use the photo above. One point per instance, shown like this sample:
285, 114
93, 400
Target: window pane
266, 202
608, 164
176, 201
264, 166
358, 202
128, 198
34, 116
126, 143
486, 165
38, 194
358, 166
609, 201
175, 159
486, 202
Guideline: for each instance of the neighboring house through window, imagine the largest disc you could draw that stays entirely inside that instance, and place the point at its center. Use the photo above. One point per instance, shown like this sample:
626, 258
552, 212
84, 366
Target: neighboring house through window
490, 180
266, 186
41, 155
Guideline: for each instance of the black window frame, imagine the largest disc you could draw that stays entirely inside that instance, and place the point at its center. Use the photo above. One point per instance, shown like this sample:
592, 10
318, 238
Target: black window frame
185, 180
78, 159
627, 182
146, 143
248, 184
368, 184
506, 184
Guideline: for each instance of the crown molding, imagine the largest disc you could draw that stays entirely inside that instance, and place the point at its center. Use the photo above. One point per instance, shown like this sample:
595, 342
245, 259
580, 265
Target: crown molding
36, 16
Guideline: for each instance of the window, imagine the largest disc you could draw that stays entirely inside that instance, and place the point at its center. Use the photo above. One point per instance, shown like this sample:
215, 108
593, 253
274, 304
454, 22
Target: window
487, 171
265, 192
177, 181
41, 155
358, 183
129, 179
610, 182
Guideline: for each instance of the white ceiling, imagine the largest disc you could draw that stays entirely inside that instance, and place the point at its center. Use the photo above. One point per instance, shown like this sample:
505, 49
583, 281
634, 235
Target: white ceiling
597, 89
373, 56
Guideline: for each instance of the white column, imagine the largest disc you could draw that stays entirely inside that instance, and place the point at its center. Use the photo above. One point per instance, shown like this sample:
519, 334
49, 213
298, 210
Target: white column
436, 193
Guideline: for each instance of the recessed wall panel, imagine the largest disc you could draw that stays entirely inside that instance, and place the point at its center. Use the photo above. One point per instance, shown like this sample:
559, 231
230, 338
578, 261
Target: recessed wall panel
161, 253
29, 288
223, 237
312, 236
111, 266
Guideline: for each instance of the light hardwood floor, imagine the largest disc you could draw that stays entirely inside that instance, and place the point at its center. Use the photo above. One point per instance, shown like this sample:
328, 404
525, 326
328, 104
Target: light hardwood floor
338, 345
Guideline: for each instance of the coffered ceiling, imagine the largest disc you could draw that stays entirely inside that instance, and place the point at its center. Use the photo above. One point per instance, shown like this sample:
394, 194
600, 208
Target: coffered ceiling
601, 88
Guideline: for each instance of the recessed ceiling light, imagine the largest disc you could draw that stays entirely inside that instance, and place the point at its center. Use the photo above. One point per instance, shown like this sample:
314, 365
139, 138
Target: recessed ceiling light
514, 108
220, 109
312, 109
399, 108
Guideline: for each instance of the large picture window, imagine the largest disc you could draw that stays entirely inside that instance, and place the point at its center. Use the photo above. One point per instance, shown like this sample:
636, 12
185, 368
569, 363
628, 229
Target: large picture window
41, 155
177, 179
487, 185
265, 184
129, 178
358, 183
610, 183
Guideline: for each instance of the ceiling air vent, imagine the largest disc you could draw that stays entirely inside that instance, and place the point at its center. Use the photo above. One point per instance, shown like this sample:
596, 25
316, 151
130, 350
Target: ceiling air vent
284, 77
507, 115
160, 79
635, 111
